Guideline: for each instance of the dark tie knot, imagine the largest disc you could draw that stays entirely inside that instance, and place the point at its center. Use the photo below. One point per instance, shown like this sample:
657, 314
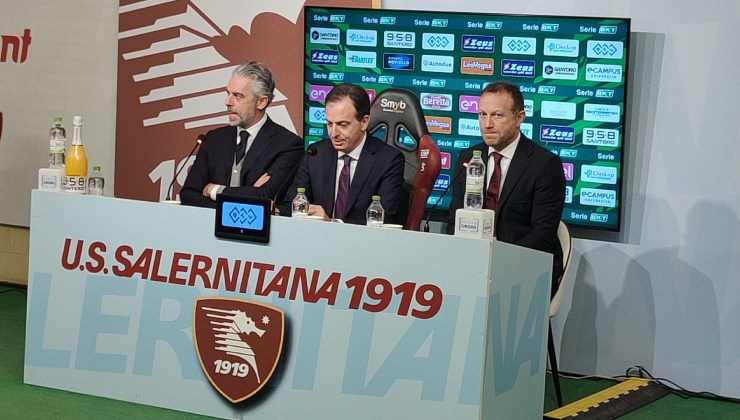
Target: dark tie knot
241, 147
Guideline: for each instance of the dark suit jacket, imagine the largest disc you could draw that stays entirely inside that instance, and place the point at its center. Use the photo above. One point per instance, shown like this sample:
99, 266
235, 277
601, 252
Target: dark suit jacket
379, 172
531, 200
275, 150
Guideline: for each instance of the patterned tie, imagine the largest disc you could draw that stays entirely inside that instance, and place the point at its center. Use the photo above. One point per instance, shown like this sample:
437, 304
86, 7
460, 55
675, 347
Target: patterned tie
343, 190
241, 147
495, 184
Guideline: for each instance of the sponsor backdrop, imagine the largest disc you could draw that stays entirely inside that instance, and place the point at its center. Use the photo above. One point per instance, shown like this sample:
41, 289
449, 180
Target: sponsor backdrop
662, 293
570, 70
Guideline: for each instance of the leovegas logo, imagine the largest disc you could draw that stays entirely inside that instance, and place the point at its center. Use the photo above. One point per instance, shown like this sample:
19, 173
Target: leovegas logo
439, 125
476, 65
14, 48
239, 344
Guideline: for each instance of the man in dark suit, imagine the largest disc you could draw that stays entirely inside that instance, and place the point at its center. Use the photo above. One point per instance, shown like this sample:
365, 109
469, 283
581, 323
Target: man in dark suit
531, 184
371, 166
253, 155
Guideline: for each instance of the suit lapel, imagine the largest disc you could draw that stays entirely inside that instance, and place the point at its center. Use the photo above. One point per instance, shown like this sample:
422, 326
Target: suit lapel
517, 167
259, 144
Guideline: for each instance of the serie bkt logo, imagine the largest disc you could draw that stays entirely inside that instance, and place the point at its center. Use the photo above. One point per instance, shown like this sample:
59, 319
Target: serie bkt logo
238, 344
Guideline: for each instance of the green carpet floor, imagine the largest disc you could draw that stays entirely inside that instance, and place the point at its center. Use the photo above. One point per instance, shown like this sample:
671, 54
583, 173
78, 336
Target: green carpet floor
20, 401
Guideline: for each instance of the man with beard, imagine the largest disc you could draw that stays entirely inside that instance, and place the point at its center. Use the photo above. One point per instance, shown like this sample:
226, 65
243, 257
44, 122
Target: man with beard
253, 155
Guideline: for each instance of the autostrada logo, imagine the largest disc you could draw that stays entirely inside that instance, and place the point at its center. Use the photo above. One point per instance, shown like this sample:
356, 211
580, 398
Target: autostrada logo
239, 344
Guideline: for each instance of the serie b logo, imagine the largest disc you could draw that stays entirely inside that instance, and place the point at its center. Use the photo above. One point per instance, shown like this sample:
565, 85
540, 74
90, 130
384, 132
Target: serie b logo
238, 344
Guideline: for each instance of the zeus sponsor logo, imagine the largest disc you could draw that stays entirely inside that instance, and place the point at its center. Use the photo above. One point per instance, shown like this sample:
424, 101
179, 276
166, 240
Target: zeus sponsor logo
364, 59
478, 43
468, 127
604, 49
568, 171
599, 174
468, 103
528, 107
394, 39
325, 57
444, 42
437, 63
324, 36
442, 182
601, 113
557, 134
316, 115
598, 197
436, 101
558, 110
517, 68
476, 65
568, 194
603, 73
526, 129
396, 61
318, 93
519, 45
440, 125
608, 137
362, 38
561, 47
560, 71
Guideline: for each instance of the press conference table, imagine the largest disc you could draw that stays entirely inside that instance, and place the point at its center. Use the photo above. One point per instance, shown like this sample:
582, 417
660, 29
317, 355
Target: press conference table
378, 323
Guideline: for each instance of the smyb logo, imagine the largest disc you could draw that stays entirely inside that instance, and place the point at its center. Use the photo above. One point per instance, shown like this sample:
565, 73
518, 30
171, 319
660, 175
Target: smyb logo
238, 343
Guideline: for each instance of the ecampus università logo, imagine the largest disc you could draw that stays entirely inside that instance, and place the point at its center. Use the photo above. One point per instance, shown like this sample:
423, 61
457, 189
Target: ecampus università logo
238, 343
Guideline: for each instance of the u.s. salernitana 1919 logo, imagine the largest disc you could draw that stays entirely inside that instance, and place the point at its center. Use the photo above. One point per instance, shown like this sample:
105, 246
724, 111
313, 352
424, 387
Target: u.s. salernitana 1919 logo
238, 343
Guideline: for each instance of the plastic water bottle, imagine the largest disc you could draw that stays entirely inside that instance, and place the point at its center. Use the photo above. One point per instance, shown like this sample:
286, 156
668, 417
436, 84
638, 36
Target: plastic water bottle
300, 203
375, 213
57, 144
474, 181
75, 180
96, 182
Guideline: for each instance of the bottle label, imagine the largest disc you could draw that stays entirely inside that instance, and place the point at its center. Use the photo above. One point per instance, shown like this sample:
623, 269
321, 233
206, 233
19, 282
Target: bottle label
56, 146
474, 184
74, 184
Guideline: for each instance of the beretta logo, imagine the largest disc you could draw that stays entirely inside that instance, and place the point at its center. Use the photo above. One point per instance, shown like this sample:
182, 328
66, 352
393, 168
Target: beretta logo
238, 343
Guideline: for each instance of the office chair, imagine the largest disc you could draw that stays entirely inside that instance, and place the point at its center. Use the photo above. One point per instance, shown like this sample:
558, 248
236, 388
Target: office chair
566, 243
396, 118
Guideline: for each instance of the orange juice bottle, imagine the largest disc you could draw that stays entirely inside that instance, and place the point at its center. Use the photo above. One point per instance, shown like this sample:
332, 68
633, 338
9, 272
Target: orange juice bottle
75, 180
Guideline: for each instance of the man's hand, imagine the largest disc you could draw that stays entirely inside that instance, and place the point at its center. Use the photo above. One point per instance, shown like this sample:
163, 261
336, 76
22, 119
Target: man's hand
207, 189
262, 180
317, 210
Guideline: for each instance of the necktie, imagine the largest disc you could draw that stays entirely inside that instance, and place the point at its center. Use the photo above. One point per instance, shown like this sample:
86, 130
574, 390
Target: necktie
495, 184
343, 190
241, 147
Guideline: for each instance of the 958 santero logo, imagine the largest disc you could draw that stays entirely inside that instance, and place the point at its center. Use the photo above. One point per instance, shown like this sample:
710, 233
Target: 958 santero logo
239, 344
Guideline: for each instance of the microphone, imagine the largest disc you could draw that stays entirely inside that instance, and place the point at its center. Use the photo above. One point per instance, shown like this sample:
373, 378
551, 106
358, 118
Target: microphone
309, 152
449, 187
198, 140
